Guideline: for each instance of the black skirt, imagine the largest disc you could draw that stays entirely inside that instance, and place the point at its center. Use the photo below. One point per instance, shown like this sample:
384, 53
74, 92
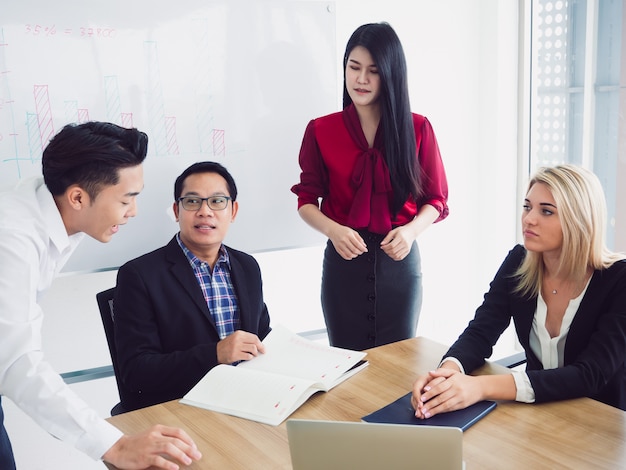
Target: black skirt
372, 299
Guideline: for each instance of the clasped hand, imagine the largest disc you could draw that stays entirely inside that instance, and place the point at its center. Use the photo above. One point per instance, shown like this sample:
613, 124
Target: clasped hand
397, 243
444, 390
349, 244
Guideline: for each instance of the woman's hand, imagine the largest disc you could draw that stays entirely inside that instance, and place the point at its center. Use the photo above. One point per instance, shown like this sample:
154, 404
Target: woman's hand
422, 384
397, 243
445, 390
347, 242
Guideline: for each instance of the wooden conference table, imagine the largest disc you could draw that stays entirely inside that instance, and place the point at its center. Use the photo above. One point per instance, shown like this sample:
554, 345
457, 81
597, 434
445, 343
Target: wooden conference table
581, 433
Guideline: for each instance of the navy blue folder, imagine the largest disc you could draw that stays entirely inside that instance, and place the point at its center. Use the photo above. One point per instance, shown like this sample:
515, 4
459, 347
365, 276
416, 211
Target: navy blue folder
401, 412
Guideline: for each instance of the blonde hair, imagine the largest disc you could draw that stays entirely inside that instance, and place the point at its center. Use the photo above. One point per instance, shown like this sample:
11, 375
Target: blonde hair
582, 212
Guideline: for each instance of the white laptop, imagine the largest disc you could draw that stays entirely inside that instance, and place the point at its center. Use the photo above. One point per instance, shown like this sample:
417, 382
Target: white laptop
318, 444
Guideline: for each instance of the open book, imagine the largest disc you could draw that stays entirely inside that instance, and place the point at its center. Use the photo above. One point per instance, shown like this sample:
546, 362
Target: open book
273, 385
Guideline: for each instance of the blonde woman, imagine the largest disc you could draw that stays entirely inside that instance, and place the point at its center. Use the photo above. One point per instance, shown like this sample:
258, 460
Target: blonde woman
566, 294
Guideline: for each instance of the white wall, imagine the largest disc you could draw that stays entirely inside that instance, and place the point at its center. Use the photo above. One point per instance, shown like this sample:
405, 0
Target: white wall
462, 59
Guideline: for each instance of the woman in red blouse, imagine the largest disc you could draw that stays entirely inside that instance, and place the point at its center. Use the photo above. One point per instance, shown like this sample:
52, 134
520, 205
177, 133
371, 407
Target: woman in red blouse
377, 170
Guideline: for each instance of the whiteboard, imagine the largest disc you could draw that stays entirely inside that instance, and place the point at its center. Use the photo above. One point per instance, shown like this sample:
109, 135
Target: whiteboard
230, 81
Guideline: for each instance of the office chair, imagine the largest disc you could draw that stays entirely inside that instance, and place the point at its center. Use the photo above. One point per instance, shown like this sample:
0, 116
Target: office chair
105, 304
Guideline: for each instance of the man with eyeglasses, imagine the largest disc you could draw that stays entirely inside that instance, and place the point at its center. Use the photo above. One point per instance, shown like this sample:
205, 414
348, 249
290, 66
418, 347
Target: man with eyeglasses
192, 304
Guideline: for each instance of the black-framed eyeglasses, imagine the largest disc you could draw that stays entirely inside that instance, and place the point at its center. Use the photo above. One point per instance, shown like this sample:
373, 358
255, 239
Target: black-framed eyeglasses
215, 203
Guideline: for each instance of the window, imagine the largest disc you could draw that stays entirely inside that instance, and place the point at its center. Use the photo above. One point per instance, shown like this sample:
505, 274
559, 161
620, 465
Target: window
576, 95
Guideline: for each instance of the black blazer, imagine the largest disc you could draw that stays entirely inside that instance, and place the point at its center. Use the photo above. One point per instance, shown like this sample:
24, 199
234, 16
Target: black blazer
595, 348
165, 336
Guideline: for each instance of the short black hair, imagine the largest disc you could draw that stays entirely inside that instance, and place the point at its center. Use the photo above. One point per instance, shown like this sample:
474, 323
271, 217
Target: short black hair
91, 155
206, 167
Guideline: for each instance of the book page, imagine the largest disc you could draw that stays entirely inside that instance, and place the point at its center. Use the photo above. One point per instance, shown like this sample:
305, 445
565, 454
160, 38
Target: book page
251, 394
286, 353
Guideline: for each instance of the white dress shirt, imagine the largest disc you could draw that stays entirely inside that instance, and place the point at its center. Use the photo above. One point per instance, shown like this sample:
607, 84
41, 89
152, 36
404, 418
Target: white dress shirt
34, 246
550, 351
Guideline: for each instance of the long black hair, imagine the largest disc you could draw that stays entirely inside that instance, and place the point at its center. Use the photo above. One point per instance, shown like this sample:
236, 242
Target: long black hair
399, 147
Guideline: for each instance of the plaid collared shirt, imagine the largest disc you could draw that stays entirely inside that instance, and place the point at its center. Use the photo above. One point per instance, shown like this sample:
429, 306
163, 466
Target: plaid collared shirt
217, 288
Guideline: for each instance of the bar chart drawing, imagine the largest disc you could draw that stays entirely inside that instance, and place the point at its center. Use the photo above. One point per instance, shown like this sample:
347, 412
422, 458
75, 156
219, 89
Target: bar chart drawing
35, 146
44, 113
219, 142
83, 115
112, 100
202, 85
195, 77
71, 111
127, 120
170, 136
154, 98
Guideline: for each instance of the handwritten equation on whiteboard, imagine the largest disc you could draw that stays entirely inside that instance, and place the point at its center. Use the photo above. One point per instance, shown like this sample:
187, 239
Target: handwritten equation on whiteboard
48, 30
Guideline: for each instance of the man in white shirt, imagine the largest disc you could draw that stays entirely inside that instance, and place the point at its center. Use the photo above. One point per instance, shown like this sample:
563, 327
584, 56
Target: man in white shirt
92, 174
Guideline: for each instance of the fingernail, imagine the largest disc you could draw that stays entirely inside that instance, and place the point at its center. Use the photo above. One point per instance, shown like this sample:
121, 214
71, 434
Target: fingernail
427, 414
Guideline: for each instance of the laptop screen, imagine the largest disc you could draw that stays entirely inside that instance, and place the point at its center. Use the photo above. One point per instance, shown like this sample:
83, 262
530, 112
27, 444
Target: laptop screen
316, 444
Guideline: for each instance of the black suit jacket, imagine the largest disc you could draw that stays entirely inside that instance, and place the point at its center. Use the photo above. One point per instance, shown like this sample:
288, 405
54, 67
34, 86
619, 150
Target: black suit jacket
595, 348
165, 335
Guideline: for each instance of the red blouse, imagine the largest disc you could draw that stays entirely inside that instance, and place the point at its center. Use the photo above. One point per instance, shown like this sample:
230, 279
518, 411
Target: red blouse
353, 180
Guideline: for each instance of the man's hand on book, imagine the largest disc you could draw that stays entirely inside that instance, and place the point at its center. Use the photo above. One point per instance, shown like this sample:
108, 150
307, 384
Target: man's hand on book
240, 346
